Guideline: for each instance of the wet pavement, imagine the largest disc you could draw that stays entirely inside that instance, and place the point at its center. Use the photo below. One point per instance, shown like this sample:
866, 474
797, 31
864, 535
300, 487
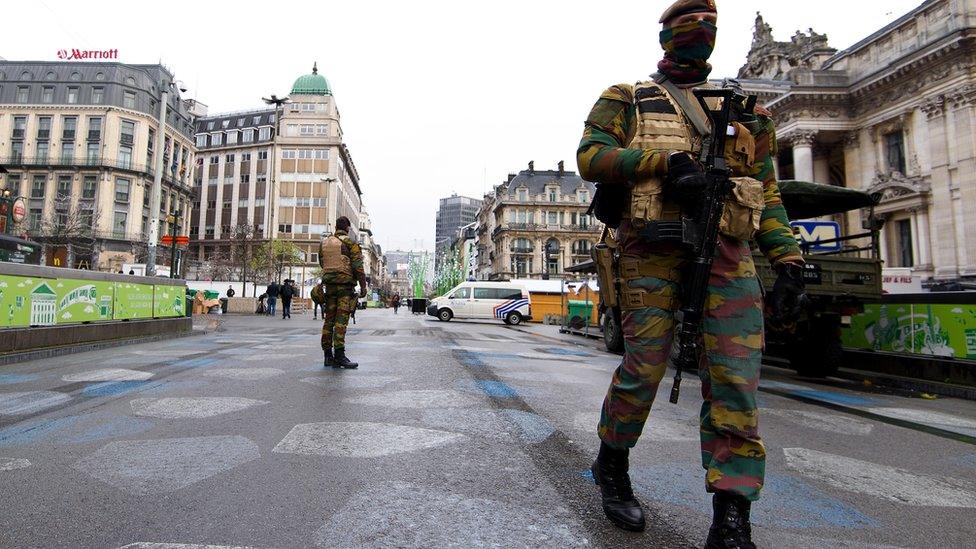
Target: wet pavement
461, 434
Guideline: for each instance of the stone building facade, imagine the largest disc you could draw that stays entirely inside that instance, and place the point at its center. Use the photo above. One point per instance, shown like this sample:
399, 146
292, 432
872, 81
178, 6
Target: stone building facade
78, 140
291, 188
535, 225
895, 115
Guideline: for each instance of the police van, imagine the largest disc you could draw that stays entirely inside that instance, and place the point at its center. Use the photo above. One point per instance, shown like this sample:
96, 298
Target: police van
484, 300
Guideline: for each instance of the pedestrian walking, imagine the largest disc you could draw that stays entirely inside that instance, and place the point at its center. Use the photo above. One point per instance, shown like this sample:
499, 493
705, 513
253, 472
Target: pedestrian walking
286, 294
396, 303
341, 260
272, 292
640, 146
231, 292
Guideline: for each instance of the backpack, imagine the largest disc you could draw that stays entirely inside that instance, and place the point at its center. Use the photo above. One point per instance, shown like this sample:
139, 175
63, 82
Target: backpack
318, 294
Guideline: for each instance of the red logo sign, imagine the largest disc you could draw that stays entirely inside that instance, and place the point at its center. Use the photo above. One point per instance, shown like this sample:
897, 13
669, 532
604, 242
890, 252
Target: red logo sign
75, 53
20, 210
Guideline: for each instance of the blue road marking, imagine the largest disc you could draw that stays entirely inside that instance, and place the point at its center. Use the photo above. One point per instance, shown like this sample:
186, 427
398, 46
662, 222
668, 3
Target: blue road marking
12, 379
497, 389
73, 430
565, 352
195, 362
786, 502
834, 398
114, 388
533, 429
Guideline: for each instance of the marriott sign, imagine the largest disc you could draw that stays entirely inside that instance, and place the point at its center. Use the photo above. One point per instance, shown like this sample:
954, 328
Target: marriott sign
75, 53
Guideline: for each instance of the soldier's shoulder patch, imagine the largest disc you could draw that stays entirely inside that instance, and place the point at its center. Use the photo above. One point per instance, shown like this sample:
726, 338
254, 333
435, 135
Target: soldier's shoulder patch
619, 92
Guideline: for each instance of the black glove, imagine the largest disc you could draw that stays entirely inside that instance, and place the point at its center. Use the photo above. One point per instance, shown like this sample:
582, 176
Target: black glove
788, 297
686, 181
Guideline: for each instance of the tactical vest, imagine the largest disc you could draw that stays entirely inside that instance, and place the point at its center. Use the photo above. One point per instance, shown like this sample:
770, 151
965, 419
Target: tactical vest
333, 260
662, 125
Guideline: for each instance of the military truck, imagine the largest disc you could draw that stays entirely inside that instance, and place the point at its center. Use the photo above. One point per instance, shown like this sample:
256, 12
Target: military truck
842, 274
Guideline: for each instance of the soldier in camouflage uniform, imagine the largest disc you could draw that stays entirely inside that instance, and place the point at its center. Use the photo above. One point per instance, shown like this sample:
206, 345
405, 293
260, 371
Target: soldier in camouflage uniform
639, 145
341, 260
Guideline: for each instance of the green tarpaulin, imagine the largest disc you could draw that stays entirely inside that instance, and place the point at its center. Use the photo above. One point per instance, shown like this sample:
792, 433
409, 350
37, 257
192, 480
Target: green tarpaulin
805, 200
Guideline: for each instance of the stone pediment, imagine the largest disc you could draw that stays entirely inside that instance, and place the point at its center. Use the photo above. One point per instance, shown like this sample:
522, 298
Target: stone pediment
896, 185
769, 59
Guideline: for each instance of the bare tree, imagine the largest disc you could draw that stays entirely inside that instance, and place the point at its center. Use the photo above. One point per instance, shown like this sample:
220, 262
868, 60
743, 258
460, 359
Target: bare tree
71, 228
241, 252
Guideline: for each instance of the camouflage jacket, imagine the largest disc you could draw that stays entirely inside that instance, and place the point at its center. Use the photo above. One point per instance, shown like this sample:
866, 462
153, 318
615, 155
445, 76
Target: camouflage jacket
351, 249
603, 158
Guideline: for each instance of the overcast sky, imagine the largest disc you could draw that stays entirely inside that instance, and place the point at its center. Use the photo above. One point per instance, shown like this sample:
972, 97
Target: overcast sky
435, 97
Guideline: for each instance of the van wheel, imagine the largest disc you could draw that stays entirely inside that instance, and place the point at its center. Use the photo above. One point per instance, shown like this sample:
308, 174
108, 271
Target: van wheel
513, 318
613, 337
445, 315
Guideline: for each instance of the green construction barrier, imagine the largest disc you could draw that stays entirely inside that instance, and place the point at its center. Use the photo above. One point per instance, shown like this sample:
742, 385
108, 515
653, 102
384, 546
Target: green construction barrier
28, 300
942, 330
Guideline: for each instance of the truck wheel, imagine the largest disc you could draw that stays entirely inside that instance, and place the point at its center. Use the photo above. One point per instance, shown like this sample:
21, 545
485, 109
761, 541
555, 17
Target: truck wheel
513, 318
613, 337
445, 315
820, 353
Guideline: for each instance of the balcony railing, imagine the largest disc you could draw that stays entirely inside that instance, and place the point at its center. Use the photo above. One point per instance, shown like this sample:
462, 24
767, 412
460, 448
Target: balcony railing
94, 135
18, 133
43, 134
68, 134
126, 139
16, 161
521, 250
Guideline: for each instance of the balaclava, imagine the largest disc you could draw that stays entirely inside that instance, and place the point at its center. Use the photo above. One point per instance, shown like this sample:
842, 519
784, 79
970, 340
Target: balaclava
687, 48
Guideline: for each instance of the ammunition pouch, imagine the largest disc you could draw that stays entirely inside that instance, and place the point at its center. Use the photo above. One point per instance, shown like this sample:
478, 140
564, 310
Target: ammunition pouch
743, 209
639, 298
633, 268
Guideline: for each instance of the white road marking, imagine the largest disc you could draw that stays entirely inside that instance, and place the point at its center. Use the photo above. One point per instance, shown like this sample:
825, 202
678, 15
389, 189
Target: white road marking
360, 440
936, 419
832, 423
882, 481
157, 466
244, 374
28, 402
109, 374
9, 464
406, 515
359, 381
190, 407
434, 398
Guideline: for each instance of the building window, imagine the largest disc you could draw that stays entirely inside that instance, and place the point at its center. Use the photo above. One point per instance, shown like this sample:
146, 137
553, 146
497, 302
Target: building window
321, 154
553, 218
229, 159
67, 152
122, 190
245, 178
125, 157
129, 99
582, 247
43, 149
523, 195
91, 155
306, 129
521, 246
201, 141
69, 126
553, 195
17, 150
895, 151
214, 160
127, 133
521, 265
88, 187
264, 134
289, 154
584, 197
47, 94
64, 186
35, 220
905, 251
98, 95
119, 223
245, 157
44, 127
72, 95
23, 92
232, 137
38, 186
262, 155
94, 128
216, 139
248, 136
322, 129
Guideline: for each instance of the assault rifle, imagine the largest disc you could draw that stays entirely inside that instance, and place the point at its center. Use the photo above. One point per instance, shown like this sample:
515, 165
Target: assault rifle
701, 230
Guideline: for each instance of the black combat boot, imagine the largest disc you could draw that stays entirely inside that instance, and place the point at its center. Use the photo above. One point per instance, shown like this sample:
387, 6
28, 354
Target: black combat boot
329, 361
619, 504
730, 523
341, 361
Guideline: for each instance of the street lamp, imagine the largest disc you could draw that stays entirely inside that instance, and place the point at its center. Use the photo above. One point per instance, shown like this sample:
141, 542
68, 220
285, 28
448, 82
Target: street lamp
269, 229
157, 187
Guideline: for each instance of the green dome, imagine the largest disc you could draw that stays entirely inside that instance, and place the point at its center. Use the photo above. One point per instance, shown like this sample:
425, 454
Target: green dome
312, 84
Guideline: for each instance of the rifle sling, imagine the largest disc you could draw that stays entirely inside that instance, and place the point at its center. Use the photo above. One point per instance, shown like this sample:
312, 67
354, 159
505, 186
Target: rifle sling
691, 109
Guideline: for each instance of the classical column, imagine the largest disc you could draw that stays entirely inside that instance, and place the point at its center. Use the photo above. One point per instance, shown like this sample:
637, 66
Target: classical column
924, 245
852, 179
802, 142
944, 252
962, 103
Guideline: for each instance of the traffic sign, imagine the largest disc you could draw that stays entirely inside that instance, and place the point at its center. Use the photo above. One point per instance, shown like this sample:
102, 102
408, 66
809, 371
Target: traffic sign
814, 232
180, 240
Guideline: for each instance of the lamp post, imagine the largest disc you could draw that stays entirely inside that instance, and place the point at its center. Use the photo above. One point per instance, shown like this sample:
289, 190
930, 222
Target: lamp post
269, 228
157, 187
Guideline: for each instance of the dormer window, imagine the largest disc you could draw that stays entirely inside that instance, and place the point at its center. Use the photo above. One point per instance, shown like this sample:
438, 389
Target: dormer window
523, 195
553, 194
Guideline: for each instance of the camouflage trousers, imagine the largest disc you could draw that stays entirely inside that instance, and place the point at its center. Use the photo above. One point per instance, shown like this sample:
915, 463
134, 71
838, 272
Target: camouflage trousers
340, 302
731, 450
